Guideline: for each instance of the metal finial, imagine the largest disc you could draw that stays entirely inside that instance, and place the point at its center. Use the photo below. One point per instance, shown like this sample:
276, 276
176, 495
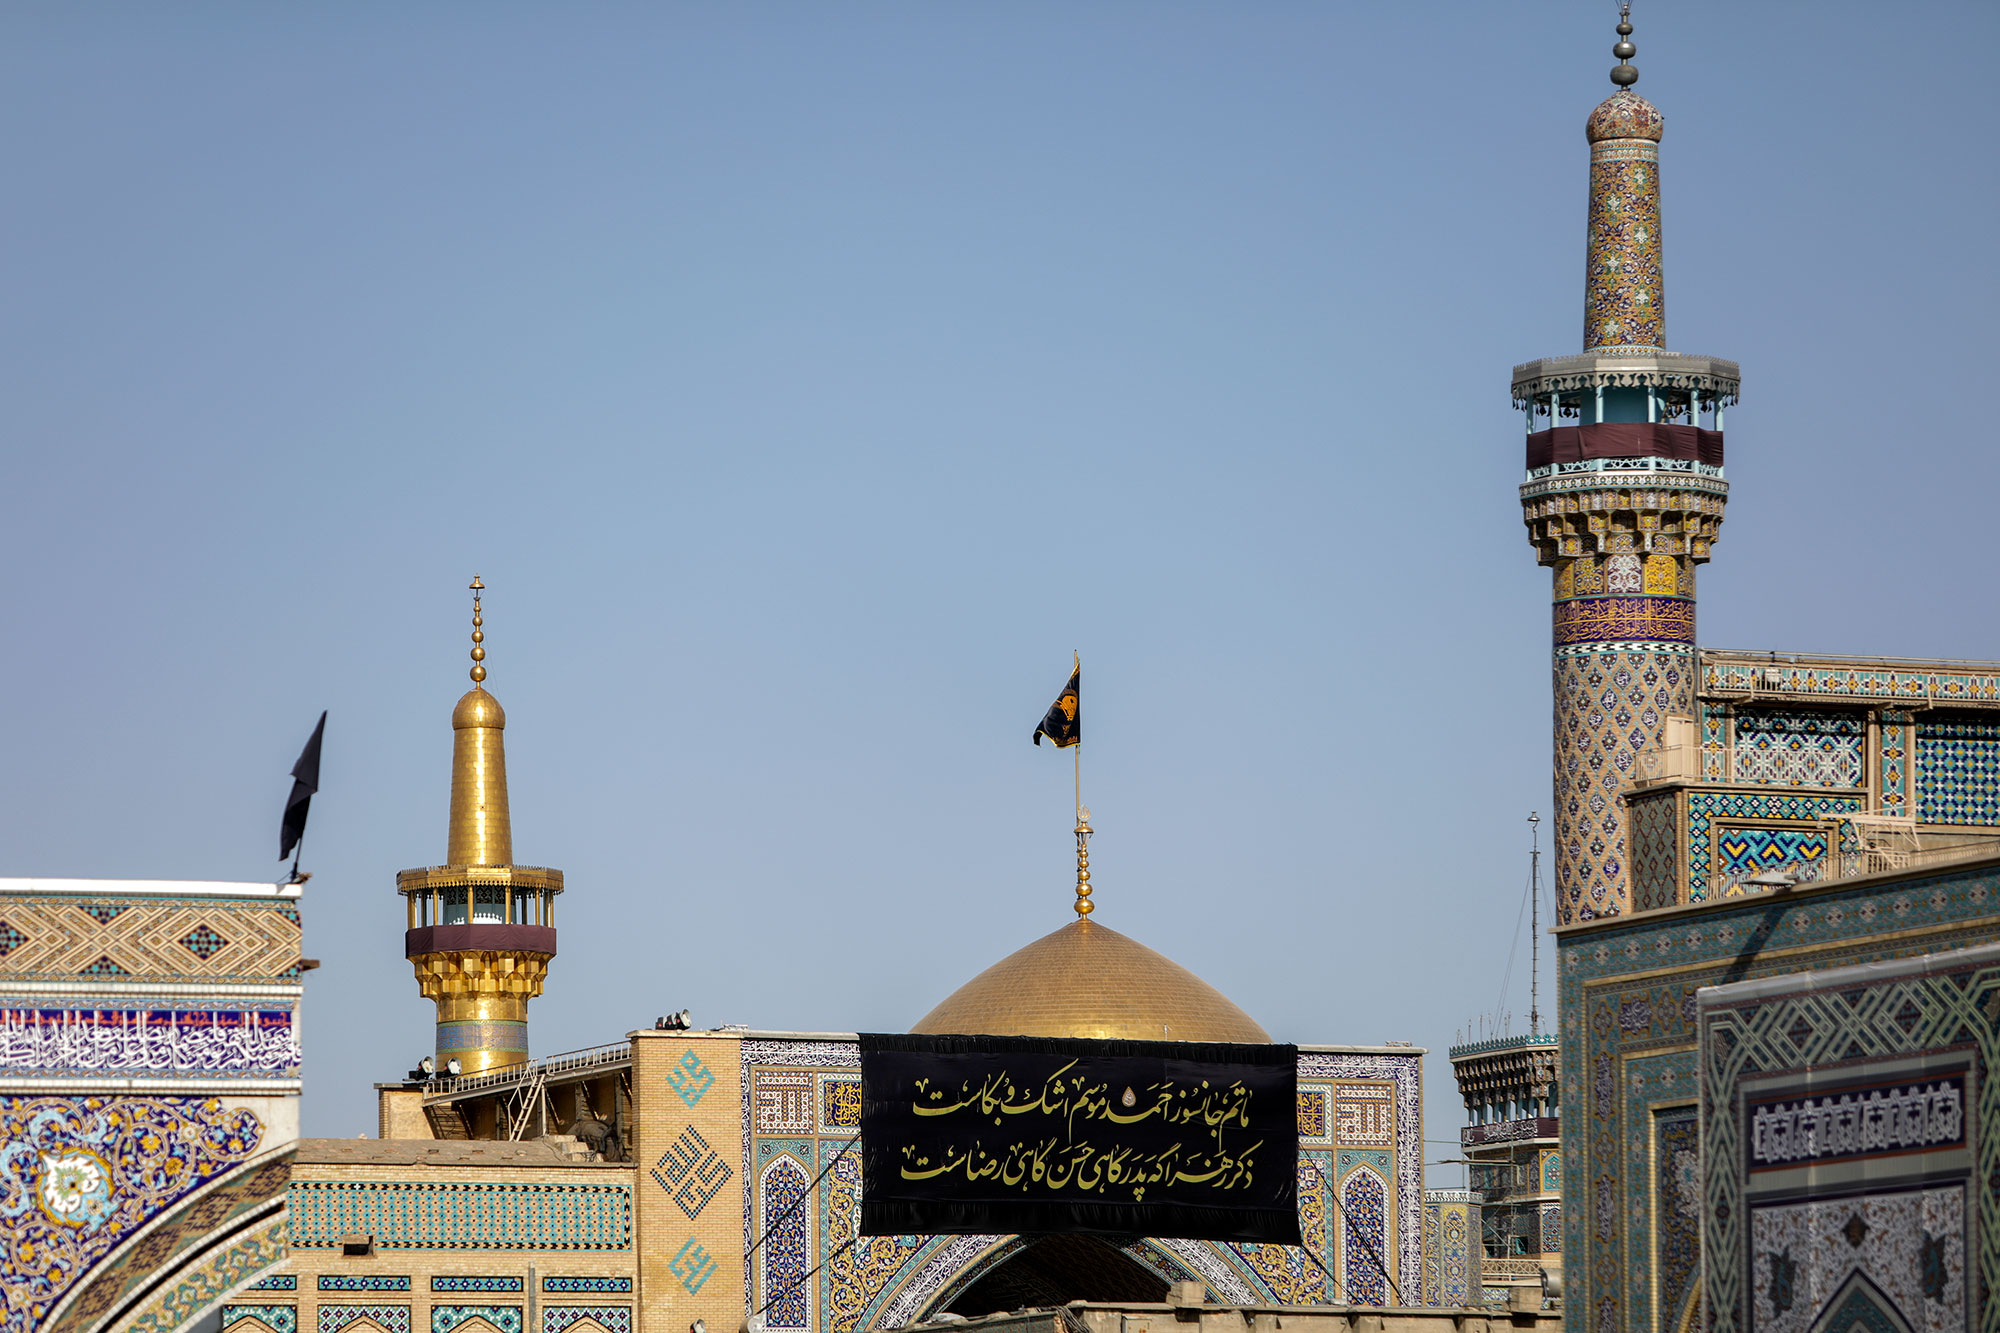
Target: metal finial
1623, 73
1083, 830
478, 634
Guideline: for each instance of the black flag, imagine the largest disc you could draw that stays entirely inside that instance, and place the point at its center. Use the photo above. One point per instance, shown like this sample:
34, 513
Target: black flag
1063, 725
305, 781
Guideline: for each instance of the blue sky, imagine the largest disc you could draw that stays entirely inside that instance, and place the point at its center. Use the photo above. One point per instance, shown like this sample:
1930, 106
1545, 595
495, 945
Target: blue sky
806, 382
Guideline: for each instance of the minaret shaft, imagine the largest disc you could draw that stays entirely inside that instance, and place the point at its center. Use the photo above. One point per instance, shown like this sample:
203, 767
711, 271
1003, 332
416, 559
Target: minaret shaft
481, 929
1624, 497
481, 830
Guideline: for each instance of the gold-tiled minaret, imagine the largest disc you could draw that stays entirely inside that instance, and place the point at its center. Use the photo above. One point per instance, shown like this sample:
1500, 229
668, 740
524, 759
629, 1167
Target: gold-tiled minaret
481, 929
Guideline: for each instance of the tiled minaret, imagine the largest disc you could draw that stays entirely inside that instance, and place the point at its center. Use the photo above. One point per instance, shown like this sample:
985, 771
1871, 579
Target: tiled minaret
1623, 498
481, 929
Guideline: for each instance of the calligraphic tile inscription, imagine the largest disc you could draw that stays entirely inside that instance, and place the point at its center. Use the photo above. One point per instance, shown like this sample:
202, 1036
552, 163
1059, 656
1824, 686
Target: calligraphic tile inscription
693, 1265
1365, 1113
781, 1101
1312, 1114
840, 1103
690, 1078
691, 1172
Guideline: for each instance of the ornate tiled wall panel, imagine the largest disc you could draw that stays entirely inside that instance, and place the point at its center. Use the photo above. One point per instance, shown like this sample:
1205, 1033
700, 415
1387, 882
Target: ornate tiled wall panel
1704, 859
451, 1318
1626, 998
444, 1215
1839, 682
1451, 1271
564, 1318
1676, 1207
80, 1175
244, 1318
1743, 850
1364, 1236
1609, 705
1958, 771
60, 937
1656, 849
1895, 737
793, 1142
1875, 1082
1801, 748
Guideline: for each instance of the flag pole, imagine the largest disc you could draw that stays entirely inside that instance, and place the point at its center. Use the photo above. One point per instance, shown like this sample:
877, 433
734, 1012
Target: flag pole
1083, 903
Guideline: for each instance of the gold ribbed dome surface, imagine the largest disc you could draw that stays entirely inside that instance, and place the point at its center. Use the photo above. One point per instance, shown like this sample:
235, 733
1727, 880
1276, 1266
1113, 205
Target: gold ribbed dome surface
1087, 980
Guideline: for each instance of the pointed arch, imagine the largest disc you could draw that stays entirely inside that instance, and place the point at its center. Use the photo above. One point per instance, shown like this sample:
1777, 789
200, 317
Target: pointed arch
1860, 1305
784, 1219
1364, 1237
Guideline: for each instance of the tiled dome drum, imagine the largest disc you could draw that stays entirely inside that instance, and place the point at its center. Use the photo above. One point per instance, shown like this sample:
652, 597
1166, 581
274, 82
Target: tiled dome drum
1625, 115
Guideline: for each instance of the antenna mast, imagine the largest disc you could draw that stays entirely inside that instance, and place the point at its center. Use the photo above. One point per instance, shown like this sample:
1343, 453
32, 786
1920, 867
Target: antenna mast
1534, 924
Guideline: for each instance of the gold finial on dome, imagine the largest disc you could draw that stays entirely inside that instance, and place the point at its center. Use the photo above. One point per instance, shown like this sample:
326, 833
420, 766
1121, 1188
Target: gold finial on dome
1083, 831
478, 634
1624, 73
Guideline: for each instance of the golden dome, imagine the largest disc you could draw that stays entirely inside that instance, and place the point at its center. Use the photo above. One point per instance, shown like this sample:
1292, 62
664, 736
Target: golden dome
477, 708
1087, 980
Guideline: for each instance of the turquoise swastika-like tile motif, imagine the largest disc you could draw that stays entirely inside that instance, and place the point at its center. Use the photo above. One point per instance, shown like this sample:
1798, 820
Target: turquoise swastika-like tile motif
692, 1265
1958, 772
441, 1215
690, 1078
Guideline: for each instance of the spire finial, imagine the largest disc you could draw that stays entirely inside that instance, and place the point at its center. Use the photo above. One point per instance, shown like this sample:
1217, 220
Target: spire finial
1083, 830
478, 634
1624, 74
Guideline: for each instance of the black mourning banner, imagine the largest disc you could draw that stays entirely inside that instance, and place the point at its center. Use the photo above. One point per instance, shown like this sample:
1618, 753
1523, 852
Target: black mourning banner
991, 1135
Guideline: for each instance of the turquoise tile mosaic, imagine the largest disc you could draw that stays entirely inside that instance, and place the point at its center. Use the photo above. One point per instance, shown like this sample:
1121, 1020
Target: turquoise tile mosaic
438, 1215
1958, 771
1626, 998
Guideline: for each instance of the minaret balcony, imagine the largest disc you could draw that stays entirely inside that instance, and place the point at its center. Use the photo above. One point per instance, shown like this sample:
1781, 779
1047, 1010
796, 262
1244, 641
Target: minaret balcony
479, 937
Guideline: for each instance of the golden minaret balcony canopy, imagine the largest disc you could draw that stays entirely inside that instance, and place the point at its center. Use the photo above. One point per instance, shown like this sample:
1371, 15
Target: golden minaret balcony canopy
481, 930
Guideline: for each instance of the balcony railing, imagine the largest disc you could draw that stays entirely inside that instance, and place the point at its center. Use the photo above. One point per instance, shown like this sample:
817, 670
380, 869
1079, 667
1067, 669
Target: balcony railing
506, 1076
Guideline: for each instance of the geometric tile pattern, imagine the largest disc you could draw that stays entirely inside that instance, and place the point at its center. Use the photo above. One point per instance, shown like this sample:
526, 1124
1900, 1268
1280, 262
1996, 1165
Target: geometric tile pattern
611, 1318
203, 943
362, 1282
390, 1318
1655, 851
181, 1301
277, 1318
1948, 1004
79, 1175
1744, 851
1801, 748
1895, 734
1958, 772
1705, 806
1626, 1001
1608, 707
1842, 682
168, 939
496, 1283
505, 1318
691, 1171
587, 1284
445, 1215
